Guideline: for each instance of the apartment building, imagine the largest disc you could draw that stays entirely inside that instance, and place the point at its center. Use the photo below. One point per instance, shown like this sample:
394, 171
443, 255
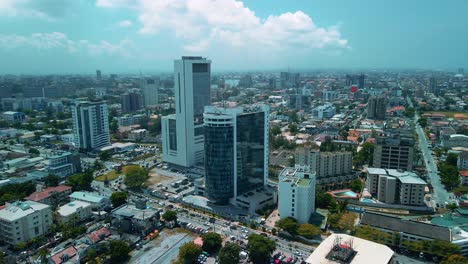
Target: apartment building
296, 193
97, 201
332, 169
64, 164
23, 221
394, 150
395, 186
462, 160
74, 211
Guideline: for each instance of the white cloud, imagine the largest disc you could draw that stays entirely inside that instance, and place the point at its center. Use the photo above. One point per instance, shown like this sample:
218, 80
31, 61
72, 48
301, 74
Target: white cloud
58, 40
23, 8
205, 24
125, 23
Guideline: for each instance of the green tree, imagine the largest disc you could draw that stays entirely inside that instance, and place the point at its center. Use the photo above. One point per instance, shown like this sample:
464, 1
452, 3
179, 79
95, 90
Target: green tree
135, 176
356, 185
118, 198
42, 253
454, 259
105, 155
308, 231
118, 251
34, 151
423, 122
260, 248
51, 180
212, 242
170, 215
451, 159
275, 130
365, 155
288, 224
347, 221
273, 231
324, 200
333, 220
81, 181
229, 254
293, 129
189, 252
114, 126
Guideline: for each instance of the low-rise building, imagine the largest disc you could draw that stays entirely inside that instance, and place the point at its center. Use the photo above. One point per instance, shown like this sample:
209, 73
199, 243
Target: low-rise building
296, 193
64, 164
324, 111
98, 202
51, 195
74, 211
462, 160
23, 221
455, 140
14, 117
463, 177
136, 218
396, 186
64, 256
138, 134
343, 248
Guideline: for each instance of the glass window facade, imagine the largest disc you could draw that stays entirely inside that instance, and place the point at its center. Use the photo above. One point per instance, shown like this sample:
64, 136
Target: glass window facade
250, 151
172, 134
201, 90
219, 163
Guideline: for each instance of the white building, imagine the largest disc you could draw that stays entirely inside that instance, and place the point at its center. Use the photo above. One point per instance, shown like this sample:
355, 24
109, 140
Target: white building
182, 133
138, 134
75, 210
23, 221
455, 140
324, 111
97, 201
64, 164
128, 120
90, 125
396, 186
343, 248
462, 160
150, 87
296, 193
13, 117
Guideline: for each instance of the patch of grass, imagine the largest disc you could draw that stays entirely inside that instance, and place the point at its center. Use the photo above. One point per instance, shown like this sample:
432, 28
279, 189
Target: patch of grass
112, 175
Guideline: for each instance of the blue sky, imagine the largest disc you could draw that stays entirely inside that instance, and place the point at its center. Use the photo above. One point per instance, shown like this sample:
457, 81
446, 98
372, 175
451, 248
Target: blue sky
125, 36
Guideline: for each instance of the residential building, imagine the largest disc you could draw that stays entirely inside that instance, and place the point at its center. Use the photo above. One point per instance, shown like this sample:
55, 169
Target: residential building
14, 117
395, 186
98, 75
182, 133
64, 164
23, 221
137, 134
394, 151
329, 95
51, 195
376, 108
245, 81
343, 248
412, 231
98, 202
462, 160
463, 177
136, 218
67, 255
324, 111
236, 151
150, 87
296, 193
74, 211
455, 140
333, 170
90, 125
131, 101
128, 120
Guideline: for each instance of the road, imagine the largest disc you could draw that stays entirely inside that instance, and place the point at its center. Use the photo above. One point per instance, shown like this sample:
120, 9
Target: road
440, 195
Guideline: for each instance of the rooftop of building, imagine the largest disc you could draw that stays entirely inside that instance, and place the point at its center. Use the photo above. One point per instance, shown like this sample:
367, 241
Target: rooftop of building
342, 248
17, 210
64, 255
98, 235
404, 176
39, 196
463, 173
91, 197
131, 211
71, 207
398, 224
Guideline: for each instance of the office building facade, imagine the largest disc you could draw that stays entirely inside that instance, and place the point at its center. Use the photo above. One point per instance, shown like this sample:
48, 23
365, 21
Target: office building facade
90, 125
296, 193
182, 133
324, 111
150, 87
64, 164
236, 151
376, 108
131, 101
394, 151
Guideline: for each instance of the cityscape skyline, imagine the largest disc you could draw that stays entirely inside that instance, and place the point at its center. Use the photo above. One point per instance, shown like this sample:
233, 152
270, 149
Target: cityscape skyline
128, 36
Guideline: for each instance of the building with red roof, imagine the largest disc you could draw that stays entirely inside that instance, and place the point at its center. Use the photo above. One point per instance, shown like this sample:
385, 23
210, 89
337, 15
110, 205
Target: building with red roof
51, 195
464, 177
98, 235
67, 255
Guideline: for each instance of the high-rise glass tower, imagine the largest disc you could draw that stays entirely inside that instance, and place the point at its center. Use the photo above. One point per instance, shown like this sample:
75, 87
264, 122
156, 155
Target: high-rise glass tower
150, 88
182, 133
236, 151
90, 125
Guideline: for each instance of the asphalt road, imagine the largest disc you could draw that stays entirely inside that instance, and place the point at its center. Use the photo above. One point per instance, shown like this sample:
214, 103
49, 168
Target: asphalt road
440, 194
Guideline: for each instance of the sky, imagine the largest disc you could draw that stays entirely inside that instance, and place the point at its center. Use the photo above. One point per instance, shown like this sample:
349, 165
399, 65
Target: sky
129, 36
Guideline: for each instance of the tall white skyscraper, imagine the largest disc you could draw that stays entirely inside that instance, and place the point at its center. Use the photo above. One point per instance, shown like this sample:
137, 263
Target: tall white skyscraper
236, 151
182, 133
90, 125
150, 88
